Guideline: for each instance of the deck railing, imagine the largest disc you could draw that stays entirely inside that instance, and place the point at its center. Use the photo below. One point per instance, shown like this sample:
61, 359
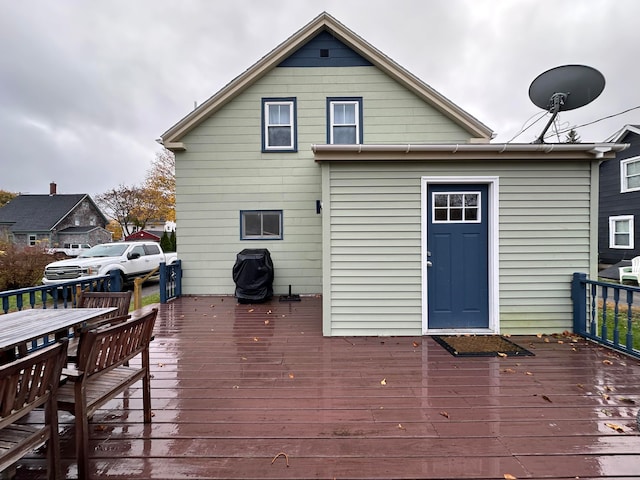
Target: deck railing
63, 295
607, 313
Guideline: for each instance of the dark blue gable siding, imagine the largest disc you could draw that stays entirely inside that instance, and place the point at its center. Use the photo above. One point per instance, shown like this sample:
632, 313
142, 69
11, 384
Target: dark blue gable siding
612, 203
324, 50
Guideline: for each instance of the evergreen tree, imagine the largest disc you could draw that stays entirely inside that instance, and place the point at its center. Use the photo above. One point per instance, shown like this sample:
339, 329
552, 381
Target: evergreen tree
572, 137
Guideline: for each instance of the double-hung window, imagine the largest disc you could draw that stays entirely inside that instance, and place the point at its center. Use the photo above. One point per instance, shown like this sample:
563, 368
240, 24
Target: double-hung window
630, 175
279, 124
344, 121
621, 232
261, 225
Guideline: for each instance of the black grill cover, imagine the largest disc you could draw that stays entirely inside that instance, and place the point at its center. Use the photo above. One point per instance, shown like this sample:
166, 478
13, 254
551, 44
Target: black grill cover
253, 275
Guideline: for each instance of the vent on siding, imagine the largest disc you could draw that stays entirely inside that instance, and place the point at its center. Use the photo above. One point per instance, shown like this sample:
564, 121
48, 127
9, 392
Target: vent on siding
324, 52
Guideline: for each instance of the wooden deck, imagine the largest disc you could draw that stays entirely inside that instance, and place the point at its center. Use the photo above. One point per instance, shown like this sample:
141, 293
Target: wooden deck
255, 391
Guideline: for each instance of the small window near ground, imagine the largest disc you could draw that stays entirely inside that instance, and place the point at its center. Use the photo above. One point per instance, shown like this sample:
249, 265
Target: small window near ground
456, 207
33, 240
344, 121
261, 225
630, 175
279, 124
621, 232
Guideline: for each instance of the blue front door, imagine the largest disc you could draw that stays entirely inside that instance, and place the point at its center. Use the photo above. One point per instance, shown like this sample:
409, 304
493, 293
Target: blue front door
457, 250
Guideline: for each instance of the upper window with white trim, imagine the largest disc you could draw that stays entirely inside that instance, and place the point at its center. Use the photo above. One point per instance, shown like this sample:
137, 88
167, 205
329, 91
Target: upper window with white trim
279, 124
630, 175
344, 121
621, 232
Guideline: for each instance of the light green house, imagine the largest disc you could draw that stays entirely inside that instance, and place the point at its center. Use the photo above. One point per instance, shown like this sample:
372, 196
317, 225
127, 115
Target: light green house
375, 191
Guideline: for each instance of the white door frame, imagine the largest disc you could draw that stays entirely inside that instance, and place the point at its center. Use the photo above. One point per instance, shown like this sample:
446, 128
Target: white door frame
493, 249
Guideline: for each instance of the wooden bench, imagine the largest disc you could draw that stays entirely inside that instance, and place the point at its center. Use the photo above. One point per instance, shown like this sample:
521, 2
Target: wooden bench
26, 384
101, 374
120, 300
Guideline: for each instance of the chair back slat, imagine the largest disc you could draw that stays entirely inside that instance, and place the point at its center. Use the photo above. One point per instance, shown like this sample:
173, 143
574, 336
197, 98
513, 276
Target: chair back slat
103, 349
121, 300
27, 382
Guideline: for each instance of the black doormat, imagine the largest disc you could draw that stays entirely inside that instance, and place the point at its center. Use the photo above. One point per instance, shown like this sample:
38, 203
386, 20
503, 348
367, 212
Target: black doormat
480, 346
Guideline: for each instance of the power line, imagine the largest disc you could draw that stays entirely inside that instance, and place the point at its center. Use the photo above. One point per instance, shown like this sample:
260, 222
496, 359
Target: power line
598, 120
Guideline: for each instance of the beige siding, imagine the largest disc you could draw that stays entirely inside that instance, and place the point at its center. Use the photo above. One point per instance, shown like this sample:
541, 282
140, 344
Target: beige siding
223, 171
375, 243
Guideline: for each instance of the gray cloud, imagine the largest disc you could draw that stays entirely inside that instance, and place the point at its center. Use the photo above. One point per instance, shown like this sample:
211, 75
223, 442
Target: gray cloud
86, 87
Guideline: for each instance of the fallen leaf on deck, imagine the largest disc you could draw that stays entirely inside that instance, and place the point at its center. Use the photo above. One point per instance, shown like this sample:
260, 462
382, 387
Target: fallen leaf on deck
528, 373
605, 396
627, 400
608, 388
508, 476
539, 335
401, 427
607, 362
416, 344
544, 397
615, 427
250, 310
266, 322
256, 339
161, 364
383, 381
444, 414
509, 370
291, 375
500, 354
546, 340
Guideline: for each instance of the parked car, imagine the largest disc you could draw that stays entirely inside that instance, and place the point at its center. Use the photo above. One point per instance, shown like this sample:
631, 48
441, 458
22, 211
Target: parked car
129, 259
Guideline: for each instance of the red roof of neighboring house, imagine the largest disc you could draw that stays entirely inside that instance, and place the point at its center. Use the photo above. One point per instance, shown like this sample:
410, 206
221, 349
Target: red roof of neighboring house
142, 235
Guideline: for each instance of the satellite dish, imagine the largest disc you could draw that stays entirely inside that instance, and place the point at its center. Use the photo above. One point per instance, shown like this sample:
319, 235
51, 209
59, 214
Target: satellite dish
565, 88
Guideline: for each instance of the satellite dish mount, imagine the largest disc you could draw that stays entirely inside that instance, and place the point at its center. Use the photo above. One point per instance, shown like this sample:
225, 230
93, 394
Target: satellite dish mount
565, 88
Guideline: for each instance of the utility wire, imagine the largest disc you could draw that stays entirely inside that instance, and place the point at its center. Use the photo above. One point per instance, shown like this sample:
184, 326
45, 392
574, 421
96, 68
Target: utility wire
596, 121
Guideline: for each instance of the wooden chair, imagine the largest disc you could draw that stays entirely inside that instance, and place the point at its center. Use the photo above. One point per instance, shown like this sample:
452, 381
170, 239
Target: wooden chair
121, 300
26, 384
101, 374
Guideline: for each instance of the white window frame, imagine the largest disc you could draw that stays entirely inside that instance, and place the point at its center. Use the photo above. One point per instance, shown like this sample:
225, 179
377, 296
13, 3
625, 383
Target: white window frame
33, 239
273, 103
613, 221
448, 208
624, 177
332, 123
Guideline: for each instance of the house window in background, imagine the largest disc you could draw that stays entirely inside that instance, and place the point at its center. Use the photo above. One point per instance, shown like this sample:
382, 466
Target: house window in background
33, 240
344, 121
621, 231
630, 175
261, 225
279, 124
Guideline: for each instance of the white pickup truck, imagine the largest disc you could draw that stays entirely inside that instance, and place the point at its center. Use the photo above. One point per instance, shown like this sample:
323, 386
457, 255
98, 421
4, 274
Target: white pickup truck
129, 259
69, 249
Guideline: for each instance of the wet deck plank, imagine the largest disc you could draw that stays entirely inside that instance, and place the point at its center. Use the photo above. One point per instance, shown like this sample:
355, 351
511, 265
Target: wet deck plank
235, 385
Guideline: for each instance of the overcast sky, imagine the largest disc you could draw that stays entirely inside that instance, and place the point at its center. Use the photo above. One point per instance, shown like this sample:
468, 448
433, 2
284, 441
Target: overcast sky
87, 86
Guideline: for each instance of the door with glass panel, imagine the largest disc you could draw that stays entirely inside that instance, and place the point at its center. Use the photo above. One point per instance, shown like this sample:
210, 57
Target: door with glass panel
457, 250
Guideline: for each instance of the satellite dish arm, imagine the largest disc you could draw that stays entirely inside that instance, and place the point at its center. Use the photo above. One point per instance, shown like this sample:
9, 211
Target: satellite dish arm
558, 100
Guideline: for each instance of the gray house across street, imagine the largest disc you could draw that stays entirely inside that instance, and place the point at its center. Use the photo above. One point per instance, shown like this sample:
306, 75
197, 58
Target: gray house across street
53, 220
378, 193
